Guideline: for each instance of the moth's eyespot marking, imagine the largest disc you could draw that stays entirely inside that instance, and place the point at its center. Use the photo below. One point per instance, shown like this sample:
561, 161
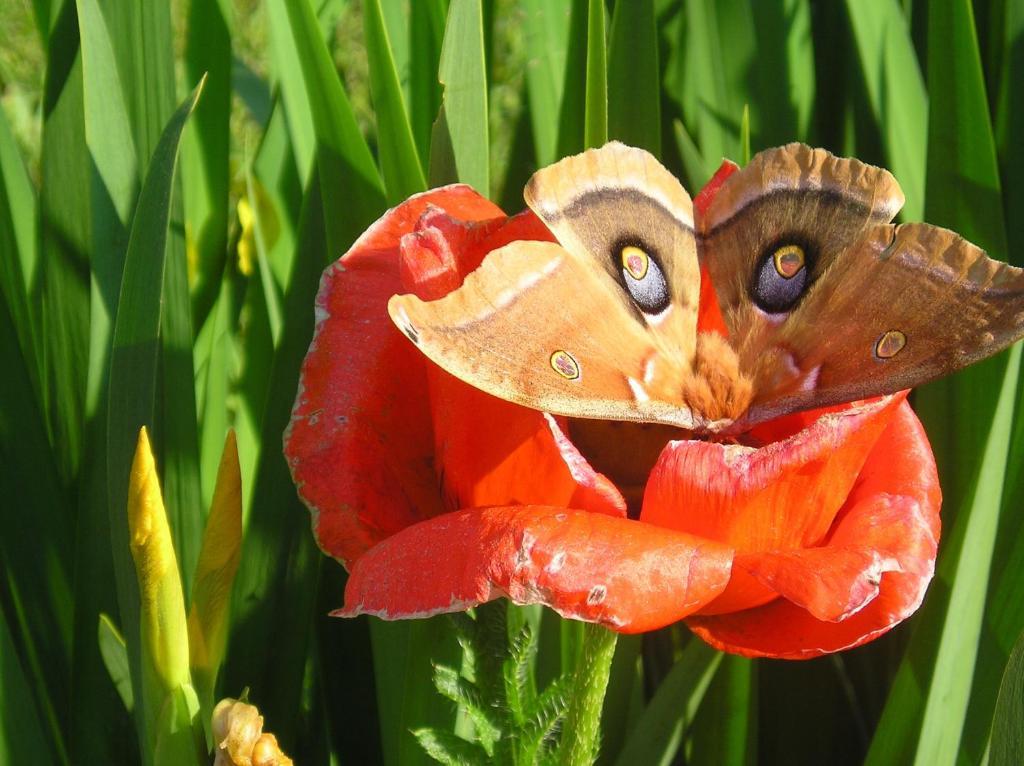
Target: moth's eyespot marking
890, 344
642, 275
789, 260
781, 277
635, 261
563, 363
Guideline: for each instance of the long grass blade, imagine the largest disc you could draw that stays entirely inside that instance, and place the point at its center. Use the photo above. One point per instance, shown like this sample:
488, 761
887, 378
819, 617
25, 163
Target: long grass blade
352, 192
719, 47
974, 176
18, 249
212, 358
400, 163
426, 36
395, 15
460, 142
969, 415
574, 89
141, 36
634, 92
1007, 746
36, 588
270, 288
205, 150
659, 732
595, 120
782, 97
1004, 612
279, 202
287, 68
22, 736
1009, 124
725, 729
895, 91
62, 291
546, 28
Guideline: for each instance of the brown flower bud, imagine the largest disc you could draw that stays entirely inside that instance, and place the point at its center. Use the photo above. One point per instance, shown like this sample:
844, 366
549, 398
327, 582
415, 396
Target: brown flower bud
239, 738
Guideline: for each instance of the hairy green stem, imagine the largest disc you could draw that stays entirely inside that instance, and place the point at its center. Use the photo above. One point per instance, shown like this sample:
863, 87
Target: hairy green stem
582, 726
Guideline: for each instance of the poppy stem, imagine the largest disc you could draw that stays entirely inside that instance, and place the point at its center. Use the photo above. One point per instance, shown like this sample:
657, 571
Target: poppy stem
582, 726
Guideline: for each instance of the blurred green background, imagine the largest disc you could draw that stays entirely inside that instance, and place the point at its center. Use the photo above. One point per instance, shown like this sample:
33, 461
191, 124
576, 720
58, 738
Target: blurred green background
316, 116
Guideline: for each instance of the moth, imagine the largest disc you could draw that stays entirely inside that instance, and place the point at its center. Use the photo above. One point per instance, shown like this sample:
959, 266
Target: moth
819, 298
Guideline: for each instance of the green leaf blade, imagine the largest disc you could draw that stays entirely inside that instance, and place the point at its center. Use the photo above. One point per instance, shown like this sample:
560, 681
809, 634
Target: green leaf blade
546, 25
634, 92
403, 173
353, 196
460, 141
1007, 746
896, 93
595, 121
658, 734
969, 414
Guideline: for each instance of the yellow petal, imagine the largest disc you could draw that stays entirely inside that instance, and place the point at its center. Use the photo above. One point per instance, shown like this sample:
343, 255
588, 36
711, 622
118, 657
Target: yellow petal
215, 571
163, 630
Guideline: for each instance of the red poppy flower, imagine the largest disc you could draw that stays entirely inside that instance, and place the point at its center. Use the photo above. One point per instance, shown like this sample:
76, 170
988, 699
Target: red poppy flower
816, 536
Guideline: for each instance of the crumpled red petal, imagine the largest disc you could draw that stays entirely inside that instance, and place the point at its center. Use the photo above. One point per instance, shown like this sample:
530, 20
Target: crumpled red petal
627, 575
892, 515
489, 451
359, 444
783, 496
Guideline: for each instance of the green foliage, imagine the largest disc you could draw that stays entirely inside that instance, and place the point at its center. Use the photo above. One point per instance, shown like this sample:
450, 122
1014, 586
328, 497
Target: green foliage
460, 143
511, 723
143, 285
659, 731
1007, 734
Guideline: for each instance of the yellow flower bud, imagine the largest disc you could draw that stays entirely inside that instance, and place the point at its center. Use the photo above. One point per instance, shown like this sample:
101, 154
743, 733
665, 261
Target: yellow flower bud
162, 608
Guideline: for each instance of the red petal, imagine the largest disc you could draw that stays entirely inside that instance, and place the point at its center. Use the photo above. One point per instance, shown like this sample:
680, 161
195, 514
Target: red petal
783, 496
627, 575
360, 444
709, 317
709, 314
702, 201
893, 514
834, 581
525, 225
